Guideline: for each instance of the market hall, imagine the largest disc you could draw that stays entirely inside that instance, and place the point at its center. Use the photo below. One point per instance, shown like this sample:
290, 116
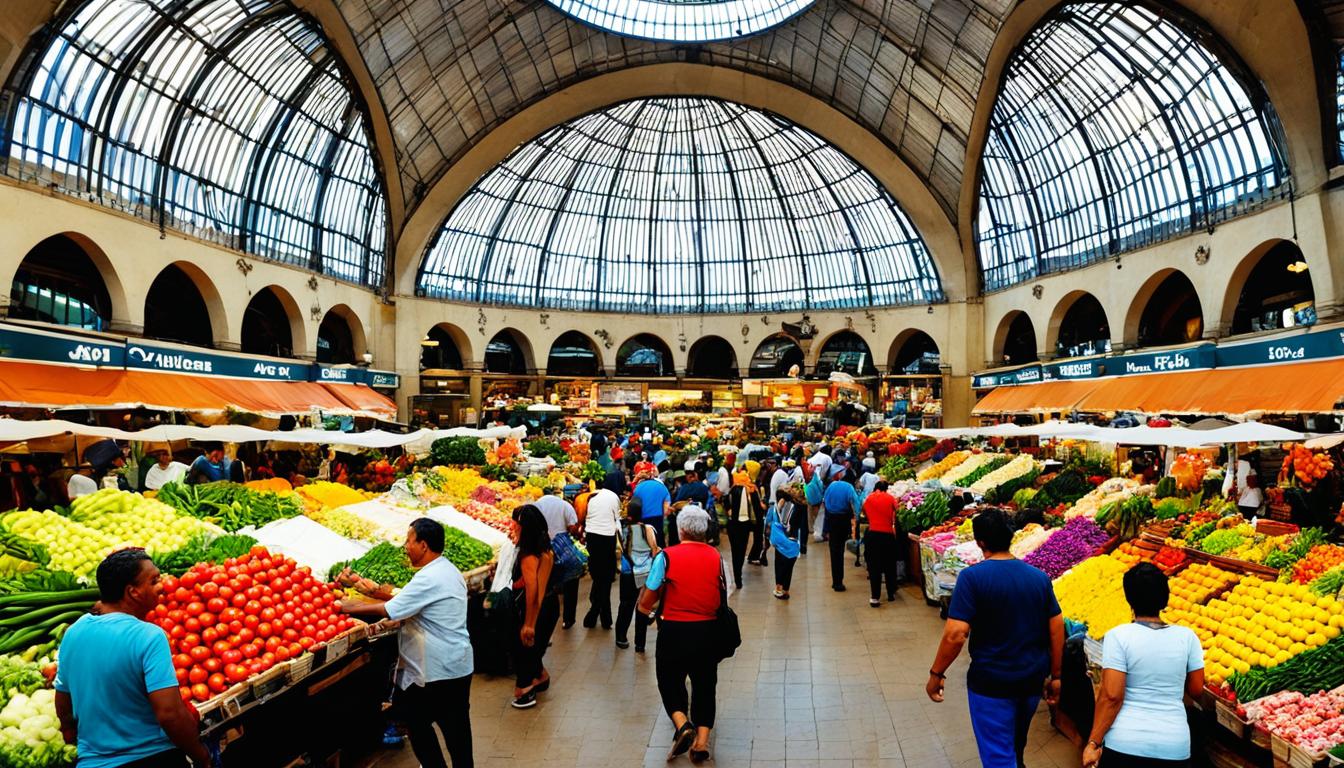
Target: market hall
943, 382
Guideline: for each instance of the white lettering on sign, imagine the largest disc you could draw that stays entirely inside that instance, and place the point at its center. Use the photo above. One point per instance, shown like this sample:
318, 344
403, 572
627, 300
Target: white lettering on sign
1032, 375
1175, 362
84, 353
1287, 353
1075, 369
335, 374
266, 369
171, 362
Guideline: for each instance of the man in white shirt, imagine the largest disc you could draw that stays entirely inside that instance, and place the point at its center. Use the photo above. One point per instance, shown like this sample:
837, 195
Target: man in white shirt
1248, 496
81, 483
560, 517
724, 483
435, 660
164, 471
601, 525
821, 462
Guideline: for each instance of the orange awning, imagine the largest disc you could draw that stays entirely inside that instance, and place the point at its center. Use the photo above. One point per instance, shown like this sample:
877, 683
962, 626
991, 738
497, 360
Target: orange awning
1044, 397
1313, 387
362, 398
35, 385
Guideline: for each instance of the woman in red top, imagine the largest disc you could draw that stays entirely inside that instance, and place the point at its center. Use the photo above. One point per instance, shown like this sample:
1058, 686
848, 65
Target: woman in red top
880, 543
689, 579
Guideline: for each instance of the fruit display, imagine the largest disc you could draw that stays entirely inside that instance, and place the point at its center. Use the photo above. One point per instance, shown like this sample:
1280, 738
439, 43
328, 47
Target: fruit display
1314, 723
937, 470
963, 469
1131, 554
1067, 546
326, 494
1027, 539
133, 519
1112, 491
1302, 466
490, 515
71, 546
1092, 593
1188, 470
1196, 584
229, 505
1319, 559
1007, 479
229, 621
30, 734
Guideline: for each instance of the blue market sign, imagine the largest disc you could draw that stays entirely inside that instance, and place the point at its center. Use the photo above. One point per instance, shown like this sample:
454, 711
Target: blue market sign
383, 379
157, 357
31, 344
1074, 369
1029, 375
336, 374
1289, 349
1166, 361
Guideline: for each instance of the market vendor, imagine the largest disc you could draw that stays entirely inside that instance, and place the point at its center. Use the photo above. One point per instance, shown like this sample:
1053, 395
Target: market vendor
165, 470
81, 483
1243, 485
211, 466
117, 694
435, 664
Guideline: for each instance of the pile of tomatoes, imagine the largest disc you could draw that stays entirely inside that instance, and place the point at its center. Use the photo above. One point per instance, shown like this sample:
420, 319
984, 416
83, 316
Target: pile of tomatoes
230, 621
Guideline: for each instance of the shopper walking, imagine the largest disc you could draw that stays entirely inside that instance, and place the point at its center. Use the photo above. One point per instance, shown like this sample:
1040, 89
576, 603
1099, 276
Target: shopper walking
655, 500
1147, 668
116, 691
435, 663
561, 517
540, 607
601, 524
1008, 610
841, 504
784, 539
880, 542
688, 579
744, 516
638, 548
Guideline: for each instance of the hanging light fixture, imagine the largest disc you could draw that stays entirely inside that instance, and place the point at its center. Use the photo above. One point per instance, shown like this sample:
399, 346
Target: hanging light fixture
428, 342
1298, 267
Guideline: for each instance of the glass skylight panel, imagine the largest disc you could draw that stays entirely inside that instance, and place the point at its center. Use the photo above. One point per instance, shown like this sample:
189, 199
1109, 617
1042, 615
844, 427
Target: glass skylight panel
679, 205
683, 20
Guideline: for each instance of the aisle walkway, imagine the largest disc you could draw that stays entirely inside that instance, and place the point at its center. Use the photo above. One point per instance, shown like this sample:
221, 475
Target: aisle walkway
821, 681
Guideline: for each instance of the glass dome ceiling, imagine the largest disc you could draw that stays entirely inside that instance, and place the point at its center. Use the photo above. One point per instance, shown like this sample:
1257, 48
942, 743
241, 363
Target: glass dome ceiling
683, 20
679, 205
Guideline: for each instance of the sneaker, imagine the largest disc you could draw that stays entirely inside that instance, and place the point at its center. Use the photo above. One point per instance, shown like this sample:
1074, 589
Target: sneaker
838, 587
526, 701
568, 625
753, 562
779, 593
622, 644
874, 603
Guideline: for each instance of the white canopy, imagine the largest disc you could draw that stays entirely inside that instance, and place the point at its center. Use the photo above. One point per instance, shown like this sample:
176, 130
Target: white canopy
17, 431
1182, 437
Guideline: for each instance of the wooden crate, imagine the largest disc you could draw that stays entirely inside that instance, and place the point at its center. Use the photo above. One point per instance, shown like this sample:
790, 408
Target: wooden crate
1292, 755
270, 681
1226, 714
299, 668
1260, 737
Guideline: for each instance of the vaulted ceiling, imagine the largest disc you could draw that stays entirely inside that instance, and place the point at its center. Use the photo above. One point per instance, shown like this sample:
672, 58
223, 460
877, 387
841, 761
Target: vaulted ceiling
449, 71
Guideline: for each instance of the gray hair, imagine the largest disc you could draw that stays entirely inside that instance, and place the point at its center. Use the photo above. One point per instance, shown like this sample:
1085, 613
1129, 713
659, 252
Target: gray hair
693, 523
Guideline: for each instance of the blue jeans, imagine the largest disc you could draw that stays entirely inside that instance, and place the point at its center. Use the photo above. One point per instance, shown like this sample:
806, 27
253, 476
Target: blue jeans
1000, 727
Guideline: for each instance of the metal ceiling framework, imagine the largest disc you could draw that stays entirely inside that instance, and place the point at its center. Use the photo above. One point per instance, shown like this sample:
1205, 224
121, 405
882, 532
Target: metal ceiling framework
230, 120
1119, 125
683, 20
679, 205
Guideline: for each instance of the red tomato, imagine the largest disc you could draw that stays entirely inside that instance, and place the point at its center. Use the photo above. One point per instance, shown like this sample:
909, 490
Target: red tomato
226, 592
265, 630
281, 652
295, 650
220, 648
192, 624
232, 656
208, 590
253, 593
195, 608
255, 667
244, 580
212, 665
308, 630
266, 601
251, 622
230, 614
238, 600
209, 635
200, 692
199, 653
287, 595
287, 618
189, 641
216, 605
177, 632
306, 596
272, 643
182, 660
169, 584
268, 614
307, 609
219, 578
185, 692
182, 678
321, 624
268, 658
250, 651
307, 642
207, 619
182, 595
290, 634
257, 550
235, 626
161, 611
236, 673
217, 683
188, 580
197, 675
246, 635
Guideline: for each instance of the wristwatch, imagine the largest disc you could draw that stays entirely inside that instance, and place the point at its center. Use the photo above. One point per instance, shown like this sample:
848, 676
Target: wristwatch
937, 675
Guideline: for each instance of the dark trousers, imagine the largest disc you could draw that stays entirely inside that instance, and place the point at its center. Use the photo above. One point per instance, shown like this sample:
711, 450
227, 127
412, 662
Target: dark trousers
570, 594
674, 537
602, 569
527, 661
882, 558
798, 524
758, 548
838, 529
784, 570
446, 703
738, 533
171, 758
626, 611
685, 650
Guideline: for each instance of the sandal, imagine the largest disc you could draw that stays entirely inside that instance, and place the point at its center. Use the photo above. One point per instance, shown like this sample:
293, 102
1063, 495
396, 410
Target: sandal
699, 755
681, 740
542, 687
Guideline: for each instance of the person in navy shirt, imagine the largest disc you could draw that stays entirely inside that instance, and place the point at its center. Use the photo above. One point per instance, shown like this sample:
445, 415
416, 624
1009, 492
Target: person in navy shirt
117, 693
841, 504
1008, 610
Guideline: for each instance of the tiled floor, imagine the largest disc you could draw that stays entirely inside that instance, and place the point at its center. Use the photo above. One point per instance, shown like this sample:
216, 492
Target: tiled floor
821, 681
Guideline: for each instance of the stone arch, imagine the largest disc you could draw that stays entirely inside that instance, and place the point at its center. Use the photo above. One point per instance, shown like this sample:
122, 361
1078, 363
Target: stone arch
567, 358
343, 315
1014, 337
958, 276
182, 304
775, 355
1064, 330
273, 325
42, 263
435, 352
1264, 271
519, 342
634, 357
712, 357
909, 347
1166, 286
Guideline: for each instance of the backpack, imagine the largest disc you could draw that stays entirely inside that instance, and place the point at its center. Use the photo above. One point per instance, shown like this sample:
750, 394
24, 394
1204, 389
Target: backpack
570, 561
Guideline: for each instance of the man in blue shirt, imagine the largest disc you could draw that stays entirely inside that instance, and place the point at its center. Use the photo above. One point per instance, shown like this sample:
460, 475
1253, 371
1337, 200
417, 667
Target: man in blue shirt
692, 491
1008, 610
210, 466
657, 504
841, 503
435, 660
116, 691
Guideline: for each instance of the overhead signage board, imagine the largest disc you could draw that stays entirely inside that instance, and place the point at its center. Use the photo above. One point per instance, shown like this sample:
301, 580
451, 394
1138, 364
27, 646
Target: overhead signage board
1166, 361
336, 374
1028, 375
1284, 349
157, 357
383, 379
620, 394
19, 343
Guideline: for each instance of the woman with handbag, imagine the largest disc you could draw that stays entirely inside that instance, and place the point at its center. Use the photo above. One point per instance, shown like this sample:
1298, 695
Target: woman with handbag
689, 580
638, 547
539, 604
744, 521
785, 543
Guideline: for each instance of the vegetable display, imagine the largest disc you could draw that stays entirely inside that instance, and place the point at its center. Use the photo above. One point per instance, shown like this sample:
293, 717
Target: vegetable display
1000, 484
133, 519
1314, 723
204, 548
457, 452
918, 514
1067, 547
385, 564
935, 471
229, 505
465, 552
37, 620
30, 735
71, 546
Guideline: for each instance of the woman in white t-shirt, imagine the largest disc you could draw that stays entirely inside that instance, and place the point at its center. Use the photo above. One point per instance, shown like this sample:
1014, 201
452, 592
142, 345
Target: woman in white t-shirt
1148, 667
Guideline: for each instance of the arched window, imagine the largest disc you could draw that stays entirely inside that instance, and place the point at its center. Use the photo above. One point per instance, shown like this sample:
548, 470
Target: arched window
776, 357
438, 350
846, 352
505, 355
335, 340
917, 354
267, 328
58, 283
1118, 125
682, 21
230, 120
712, 357
1277, 292
1173, 314
573, 354
1084, 329
176, 311
1019, 341
644, 355
679, 205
